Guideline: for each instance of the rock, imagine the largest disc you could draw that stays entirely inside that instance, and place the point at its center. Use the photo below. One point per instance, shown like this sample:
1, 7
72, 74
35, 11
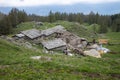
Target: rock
45, 51
94, 46
28, 45
84, 43
36, 57
93, 53
69, 54
43, 58
80, 46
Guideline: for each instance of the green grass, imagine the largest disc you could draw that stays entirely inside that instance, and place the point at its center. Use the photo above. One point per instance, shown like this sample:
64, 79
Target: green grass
92, 27
23, 26
114, 38
15, 64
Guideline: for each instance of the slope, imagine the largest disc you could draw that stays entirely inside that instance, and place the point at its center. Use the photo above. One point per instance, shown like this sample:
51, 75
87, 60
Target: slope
16, 64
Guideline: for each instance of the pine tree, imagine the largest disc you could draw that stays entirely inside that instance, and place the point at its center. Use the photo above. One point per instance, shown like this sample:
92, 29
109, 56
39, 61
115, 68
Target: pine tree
22, 16
5, 26
14, 17
51, 17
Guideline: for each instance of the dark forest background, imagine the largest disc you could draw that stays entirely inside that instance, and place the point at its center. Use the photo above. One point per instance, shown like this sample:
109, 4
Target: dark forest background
15, 17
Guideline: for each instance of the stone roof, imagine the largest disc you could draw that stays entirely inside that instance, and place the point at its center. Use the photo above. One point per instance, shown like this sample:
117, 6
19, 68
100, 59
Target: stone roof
50, 31
32, 33
51, 44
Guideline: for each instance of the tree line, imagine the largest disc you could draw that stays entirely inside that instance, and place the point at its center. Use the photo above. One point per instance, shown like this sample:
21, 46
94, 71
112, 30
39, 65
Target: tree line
10, 21
15, 17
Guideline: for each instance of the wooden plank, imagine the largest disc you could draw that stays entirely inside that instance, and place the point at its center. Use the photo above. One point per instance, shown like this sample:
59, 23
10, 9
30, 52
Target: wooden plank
103, 41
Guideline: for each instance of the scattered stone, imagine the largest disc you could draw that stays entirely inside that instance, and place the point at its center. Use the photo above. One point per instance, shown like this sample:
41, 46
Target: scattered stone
43, 58
28, 45
45, 51
70, 54
36, 57
93, 53
94, 46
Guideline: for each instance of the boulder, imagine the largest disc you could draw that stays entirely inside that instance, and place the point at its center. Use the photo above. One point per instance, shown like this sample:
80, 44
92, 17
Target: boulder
94, 46
93, 53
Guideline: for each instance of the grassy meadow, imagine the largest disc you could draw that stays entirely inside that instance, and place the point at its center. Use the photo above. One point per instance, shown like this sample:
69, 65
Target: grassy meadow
16, 64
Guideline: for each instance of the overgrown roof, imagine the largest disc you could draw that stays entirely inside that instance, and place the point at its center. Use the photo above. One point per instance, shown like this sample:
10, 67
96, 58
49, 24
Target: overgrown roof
32, 33
51, 44
50, 31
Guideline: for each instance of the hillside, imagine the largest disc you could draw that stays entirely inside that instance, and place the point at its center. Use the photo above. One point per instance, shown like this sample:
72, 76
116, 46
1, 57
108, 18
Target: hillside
15, 63
73, 27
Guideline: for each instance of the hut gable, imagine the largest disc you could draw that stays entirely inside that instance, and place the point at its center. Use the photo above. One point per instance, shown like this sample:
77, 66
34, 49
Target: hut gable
32, 33
55, 29
52, 44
